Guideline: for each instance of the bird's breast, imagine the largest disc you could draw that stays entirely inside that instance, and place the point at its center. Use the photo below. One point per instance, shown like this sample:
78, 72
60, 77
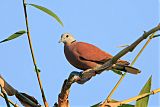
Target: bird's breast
75, 58
72, 56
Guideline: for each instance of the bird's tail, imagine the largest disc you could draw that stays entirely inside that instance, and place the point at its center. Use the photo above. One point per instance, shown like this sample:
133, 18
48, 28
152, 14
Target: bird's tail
126, 68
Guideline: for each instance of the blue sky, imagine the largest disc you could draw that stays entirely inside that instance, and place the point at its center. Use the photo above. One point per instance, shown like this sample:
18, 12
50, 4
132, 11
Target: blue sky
106, 24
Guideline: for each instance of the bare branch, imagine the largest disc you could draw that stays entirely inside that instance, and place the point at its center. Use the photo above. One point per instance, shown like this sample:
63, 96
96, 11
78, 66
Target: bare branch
119, 103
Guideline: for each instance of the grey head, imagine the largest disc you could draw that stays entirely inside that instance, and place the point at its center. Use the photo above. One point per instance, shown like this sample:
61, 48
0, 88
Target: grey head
67, 38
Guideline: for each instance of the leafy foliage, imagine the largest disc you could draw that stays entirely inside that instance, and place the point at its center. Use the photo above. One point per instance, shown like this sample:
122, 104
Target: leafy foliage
117, 71
96, 105
146, 89
156, 35
49, 12
126, 105
15, 35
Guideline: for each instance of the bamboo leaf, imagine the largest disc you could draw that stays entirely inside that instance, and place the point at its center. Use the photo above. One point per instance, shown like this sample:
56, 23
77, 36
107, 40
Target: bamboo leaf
144, 101
126, 105
7, 87
27, 100
15, 35
156, 36
96, 105
114, 101
117, 71
49, 12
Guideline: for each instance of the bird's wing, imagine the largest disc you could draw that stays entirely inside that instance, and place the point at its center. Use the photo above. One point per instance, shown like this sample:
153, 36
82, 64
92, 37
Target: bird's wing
90, 52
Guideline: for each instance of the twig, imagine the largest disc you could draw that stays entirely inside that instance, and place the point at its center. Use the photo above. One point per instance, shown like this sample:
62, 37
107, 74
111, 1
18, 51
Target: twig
5, 96
145, 45
33, 58
84, 76
15, 105
140, 96
119, 103
120, 80
127, 49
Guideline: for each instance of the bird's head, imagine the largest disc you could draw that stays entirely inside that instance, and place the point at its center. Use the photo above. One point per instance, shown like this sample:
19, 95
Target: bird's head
67, 38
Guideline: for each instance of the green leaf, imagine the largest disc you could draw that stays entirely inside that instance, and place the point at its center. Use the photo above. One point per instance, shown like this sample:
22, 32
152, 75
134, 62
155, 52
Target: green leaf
156, 36
49, 12
15, 35
126, 105
146, 89
114, 101
117, 71
96, 105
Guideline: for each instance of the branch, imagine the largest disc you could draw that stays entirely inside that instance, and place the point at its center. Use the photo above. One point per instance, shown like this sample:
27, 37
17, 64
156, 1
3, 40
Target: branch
127, 49
119, 103
63, 96
120, 80
84, 76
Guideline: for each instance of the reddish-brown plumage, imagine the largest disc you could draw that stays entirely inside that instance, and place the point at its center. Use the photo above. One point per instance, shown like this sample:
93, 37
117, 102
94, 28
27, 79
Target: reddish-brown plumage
85, 56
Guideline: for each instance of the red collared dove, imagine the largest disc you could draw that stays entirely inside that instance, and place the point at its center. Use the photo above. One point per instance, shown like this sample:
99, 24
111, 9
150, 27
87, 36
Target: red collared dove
87, 56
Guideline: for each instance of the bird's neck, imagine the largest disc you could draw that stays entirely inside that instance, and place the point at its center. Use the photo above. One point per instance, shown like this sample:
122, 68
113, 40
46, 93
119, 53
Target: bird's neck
69, 43
73, 41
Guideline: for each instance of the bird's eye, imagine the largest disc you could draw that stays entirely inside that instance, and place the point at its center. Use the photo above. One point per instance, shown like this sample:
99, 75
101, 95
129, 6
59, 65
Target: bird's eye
67, 36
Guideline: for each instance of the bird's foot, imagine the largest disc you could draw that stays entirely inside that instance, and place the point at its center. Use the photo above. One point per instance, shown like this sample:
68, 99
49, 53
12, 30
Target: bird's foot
88, 73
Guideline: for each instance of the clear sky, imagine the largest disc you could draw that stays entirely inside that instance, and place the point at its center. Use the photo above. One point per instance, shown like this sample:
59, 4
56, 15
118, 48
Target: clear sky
104, 23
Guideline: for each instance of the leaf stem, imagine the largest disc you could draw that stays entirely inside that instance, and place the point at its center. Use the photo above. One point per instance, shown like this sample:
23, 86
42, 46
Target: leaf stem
15, 105
33, 58
145, 45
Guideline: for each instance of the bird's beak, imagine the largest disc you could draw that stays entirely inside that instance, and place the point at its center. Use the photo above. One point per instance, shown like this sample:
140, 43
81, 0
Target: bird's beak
60, 41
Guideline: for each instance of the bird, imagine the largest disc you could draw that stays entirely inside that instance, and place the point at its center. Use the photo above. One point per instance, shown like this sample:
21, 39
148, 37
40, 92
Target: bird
85, 56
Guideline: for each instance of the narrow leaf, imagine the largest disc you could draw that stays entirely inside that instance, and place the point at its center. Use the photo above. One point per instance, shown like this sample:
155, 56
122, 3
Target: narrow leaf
117, 71
96, 105
126, 105
114, 101
144, 101
156, 36
27, 100
49, 12
7, 87
15, 35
